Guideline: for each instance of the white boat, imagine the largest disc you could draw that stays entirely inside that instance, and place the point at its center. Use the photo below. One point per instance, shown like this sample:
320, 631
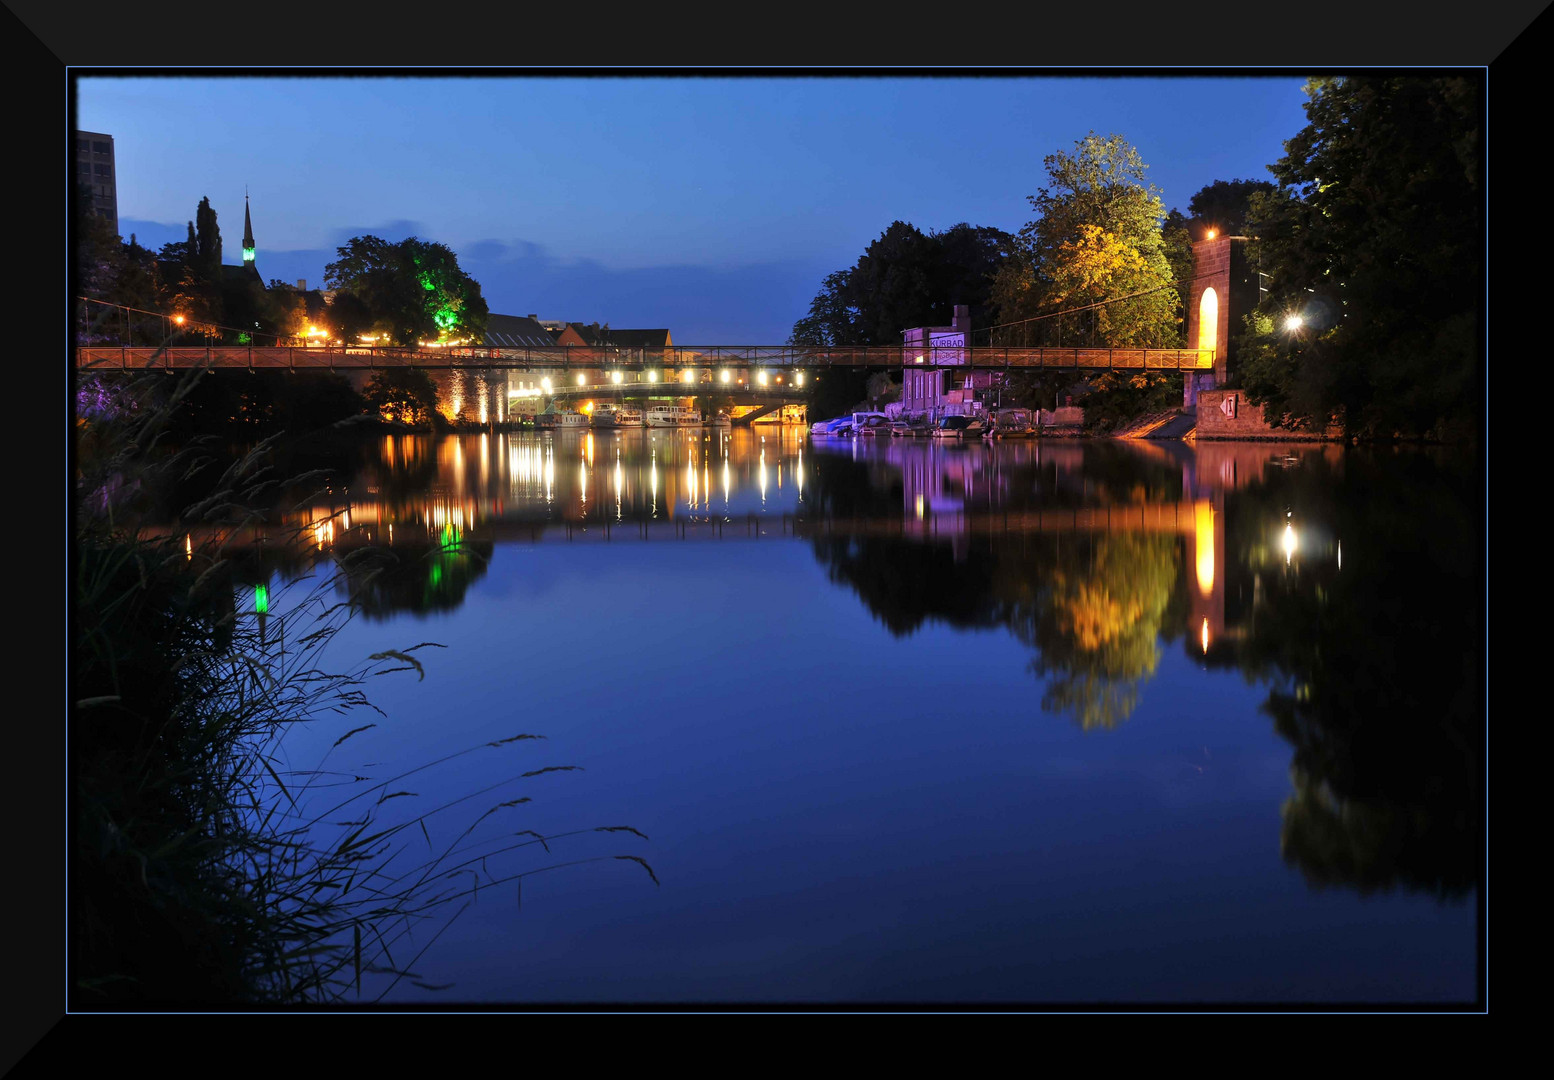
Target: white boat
673, 416
829, 427
628, 416
954, 427
722, 420
605, 416
560, 419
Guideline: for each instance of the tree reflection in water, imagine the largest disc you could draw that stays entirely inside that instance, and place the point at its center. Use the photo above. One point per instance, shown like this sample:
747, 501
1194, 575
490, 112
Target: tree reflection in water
1372, 653
1093, 607
1098, 621
1375, 658
420, 578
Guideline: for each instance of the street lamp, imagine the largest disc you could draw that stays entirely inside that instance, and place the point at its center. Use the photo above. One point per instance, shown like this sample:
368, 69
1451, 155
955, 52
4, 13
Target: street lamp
1293, 323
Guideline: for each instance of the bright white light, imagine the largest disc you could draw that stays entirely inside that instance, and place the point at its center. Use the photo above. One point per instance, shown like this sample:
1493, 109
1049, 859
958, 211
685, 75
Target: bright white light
687, 375
1294, 322
1290, 542
615, 377
580, 379
546, 384
652, 376
798, 380
723, 376
761, 377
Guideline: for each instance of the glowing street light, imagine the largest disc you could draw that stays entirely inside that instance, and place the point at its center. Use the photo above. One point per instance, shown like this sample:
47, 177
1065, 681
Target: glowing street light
580, 379
545, 383
724, 376
1294, 323
687, 375
761, 377
798, 380
615, 377
652, 376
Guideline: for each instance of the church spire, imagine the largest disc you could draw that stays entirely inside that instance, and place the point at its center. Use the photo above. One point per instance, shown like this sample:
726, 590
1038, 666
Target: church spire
248, 232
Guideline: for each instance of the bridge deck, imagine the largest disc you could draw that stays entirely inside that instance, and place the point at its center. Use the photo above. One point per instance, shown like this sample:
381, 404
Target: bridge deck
678, 358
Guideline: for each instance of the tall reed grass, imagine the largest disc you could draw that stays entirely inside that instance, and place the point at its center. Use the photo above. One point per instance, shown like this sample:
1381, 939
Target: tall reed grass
205, 869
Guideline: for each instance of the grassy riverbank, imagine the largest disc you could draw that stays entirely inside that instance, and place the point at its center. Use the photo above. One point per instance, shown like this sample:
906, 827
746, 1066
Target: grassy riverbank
202, 872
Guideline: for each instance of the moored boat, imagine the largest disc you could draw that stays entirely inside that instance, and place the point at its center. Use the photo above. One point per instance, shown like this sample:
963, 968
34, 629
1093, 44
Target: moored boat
553, 419
673, 416
1010, 424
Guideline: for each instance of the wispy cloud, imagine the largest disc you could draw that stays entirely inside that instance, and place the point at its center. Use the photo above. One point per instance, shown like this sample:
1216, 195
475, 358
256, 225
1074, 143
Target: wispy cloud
755, 303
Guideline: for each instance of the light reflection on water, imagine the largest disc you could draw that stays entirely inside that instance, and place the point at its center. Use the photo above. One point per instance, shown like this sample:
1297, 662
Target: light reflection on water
1108, 671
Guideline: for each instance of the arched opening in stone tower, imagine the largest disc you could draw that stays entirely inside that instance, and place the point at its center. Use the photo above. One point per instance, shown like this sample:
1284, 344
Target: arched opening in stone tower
1208, 319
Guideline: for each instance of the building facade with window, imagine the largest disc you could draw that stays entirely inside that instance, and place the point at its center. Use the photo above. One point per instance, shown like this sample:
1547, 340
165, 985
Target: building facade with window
932, 383
95, 169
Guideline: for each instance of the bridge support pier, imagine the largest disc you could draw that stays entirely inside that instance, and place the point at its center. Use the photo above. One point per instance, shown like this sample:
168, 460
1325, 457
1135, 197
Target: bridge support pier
1192, 383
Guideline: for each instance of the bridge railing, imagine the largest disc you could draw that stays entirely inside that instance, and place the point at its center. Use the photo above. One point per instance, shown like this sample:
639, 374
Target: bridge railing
670, 361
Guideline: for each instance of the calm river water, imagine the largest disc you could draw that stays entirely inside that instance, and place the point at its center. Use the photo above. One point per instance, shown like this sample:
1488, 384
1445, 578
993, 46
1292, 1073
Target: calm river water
901, 721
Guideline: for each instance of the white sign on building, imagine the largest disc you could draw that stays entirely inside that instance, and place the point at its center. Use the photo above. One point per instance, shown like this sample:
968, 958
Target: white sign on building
947, 348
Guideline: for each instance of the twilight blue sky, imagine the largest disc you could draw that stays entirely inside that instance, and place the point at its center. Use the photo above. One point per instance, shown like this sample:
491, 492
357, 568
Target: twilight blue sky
712, 206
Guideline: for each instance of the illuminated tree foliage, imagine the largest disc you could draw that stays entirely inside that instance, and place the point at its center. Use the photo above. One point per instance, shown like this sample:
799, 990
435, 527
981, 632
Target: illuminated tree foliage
414, 290
1375, 238
407, 395
1097, 237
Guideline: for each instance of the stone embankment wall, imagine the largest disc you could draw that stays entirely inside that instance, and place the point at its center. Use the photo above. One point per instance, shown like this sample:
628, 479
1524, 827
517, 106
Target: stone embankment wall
1066, 416
1226, 414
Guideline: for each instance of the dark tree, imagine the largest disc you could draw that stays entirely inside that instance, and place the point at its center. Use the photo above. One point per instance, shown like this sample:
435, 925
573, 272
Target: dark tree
1375, 242
905, 278
1223, 207
1177, 235
207, 241
349, 316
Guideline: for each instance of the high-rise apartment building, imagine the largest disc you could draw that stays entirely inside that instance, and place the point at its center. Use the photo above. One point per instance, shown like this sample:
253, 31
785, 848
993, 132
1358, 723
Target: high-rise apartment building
95, 169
